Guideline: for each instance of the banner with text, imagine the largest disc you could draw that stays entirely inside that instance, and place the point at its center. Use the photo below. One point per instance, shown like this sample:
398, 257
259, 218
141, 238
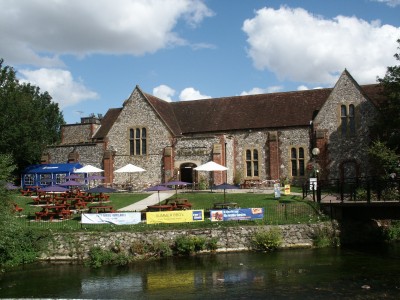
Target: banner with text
237, 214
119, 218
175, 216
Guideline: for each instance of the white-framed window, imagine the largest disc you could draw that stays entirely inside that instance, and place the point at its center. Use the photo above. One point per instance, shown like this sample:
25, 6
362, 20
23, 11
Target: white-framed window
29, 179
138, 141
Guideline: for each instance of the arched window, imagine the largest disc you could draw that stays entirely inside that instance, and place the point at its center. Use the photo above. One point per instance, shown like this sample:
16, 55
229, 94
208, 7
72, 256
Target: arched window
137, 141
252, 169
297, 161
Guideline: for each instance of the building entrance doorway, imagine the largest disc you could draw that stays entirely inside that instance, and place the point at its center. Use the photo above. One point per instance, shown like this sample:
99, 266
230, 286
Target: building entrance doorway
187, 173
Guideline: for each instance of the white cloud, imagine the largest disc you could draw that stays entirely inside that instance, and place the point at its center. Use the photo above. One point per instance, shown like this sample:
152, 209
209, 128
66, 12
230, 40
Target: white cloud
164, 92
299, 46
37, 32
256, 90
59, 84
191, 94
392, 3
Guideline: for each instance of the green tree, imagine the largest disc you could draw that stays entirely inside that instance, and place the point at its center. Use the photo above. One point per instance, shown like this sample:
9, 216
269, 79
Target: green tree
29, 120
384, 161
387, 127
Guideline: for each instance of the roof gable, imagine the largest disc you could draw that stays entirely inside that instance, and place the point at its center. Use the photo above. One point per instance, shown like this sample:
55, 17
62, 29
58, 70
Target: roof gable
274, 110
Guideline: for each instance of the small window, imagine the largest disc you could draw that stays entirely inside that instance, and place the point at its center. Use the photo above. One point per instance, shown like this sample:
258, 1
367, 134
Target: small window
297, 160
252, 168
137, 141
347, 120
352, 121
29, 179
343, 116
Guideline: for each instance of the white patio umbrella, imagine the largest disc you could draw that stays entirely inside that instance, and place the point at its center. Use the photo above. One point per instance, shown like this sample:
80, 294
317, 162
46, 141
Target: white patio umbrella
129, 168
88, 169
210, 167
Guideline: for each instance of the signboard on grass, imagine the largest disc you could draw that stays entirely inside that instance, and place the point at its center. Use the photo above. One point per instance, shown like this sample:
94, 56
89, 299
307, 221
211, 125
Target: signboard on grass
120, 218
237, 214
174, 216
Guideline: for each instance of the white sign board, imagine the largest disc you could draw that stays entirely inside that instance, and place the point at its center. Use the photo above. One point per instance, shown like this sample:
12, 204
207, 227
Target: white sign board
313, 184
119, 218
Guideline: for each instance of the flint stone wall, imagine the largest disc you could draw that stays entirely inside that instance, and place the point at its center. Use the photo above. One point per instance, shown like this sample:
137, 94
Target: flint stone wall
76, 246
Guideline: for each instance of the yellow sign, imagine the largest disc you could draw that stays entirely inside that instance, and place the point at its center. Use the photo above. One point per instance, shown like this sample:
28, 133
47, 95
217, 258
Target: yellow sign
175, 216
157, 281
287, 189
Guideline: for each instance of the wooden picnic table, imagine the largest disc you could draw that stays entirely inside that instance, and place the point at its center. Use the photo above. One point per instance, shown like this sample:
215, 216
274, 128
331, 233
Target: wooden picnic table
51, 211
225, 205
180, 203
162, 207
101, 209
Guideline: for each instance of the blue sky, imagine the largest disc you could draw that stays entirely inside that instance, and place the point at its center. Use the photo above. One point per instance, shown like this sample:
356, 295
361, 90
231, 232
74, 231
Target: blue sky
89, 55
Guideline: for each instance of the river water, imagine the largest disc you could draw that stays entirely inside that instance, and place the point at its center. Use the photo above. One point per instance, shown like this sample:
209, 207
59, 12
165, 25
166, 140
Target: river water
367, 272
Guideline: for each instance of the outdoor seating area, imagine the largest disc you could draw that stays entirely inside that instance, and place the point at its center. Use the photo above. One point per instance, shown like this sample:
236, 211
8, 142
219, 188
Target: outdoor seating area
63, 204
98, 209
51, 211
225, 205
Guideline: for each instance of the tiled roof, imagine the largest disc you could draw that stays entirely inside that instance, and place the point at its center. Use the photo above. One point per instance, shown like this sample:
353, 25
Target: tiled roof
106, 123
274, 110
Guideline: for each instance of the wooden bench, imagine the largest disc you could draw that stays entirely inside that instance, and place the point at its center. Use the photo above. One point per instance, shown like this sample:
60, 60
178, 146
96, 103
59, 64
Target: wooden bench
41, 214
249, 183
17, 208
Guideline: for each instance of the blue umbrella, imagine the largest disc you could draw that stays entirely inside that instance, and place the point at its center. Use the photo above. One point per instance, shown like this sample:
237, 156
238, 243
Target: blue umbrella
54, 188
71, 183
158, 188
176, 183
225, 187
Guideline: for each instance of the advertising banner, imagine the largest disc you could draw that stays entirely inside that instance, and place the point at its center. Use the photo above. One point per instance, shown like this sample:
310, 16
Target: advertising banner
174, 216
120, 218
237, 214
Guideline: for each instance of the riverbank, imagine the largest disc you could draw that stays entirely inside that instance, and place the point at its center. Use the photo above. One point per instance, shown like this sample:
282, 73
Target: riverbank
76, 246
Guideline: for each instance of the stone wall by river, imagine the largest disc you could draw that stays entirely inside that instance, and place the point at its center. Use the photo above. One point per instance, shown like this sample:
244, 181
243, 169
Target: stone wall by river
76, 246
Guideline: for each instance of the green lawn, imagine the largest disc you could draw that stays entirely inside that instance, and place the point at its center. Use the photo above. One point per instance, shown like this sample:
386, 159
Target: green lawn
286, 210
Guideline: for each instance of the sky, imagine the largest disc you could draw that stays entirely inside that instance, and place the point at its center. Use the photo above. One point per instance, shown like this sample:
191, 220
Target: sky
90, 55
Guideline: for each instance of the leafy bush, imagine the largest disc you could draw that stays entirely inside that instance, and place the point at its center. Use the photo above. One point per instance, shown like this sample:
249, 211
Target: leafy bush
392, 232
266, 240
323, 237
99, 257
186, 244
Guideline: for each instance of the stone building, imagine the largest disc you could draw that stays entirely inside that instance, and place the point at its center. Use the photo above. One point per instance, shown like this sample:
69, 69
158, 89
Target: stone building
258, 137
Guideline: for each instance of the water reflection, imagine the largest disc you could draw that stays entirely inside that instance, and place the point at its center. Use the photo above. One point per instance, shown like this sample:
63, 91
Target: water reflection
293, 274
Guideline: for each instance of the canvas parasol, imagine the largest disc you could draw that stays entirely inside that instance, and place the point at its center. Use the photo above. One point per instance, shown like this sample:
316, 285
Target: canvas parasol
73, 176
101, 189
88, 169
129, 168
54, 189
210, 167
71, 183
225, 187
176, 184
158, 188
